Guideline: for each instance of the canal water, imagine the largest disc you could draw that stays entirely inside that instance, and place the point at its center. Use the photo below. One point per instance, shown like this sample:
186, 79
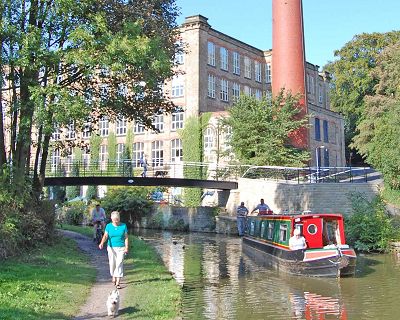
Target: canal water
219, 281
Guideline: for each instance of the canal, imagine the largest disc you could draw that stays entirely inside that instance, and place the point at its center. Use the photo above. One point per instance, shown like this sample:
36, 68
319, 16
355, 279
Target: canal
219, 281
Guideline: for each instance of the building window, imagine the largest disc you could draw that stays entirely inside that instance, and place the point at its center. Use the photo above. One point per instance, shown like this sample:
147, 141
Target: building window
326, 131
211, 54
69, 160
247, 91
121, 126
158, 122
56, 135
103, 154
208, 139
138, 150
223, 52
310, 84
120, 152
177, 121
87, 130
257, 71
320, 94
104, 92
317, 129
235, 90
179, 54
236, 63
103, 126
224, 96
268, 73
211, 86
247, 67
176, 150
157, 153
70, 130
258, 94
177, 87
55, 159
139, 128
326, 157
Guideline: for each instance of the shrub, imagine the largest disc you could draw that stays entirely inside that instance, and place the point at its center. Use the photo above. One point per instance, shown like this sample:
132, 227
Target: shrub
131, 202
369, 228
74, 212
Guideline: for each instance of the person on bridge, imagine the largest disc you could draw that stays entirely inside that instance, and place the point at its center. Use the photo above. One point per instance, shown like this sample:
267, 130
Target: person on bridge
116, 235
262, 208
241, 214
297, 242
98, 216
144, 164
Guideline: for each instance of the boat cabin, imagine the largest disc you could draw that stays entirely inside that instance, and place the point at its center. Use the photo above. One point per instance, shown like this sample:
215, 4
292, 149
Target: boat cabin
319, 230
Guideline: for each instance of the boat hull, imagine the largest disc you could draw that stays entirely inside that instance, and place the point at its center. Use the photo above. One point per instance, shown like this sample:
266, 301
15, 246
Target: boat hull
330, 262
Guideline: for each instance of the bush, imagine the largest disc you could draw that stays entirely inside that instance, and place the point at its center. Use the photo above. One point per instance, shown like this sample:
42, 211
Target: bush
131, 202
74, 212
369, 228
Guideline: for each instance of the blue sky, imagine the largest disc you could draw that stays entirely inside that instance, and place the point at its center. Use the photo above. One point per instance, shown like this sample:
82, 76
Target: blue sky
328, 24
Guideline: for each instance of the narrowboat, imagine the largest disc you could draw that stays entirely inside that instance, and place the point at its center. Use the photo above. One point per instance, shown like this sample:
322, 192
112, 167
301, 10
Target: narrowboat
326, 255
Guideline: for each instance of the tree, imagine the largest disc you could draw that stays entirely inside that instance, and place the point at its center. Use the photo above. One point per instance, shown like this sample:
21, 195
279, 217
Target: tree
352, 79
261, 130
69, 61
379, 130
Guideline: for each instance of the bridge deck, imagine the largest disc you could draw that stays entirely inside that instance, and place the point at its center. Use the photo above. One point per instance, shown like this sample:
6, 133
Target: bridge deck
139, 181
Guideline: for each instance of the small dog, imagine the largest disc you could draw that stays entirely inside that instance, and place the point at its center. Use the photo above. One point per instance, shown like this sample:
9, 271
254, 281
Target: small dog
113, 303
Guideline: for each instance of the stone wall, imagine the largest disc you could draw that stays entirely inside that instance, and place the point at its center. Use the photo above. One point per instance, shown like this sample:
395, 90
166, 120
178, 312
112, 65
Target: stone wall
201, 219
295, 198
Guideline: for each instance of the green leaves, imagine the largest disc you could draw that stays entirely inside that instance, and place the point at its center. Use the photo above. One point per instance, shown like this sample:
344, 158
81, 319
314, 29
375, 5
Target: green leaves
261, 130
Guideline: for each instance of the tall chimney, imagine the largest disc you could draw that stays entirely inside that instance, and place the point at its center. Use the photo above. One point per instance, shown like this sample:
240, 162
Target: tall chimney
288, 56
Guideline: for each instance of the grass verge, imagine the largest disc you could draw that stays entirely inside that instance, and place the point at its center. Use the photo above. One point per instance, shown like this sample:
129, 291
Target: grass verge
391, 195
50, 282
151, 293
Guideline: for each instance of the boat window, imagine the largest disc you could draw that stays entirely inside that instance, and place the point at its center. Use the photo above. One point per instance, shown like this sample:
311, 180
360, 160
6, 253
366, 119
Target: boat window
282, 232
331, 233
270, 230
263, 228
252, 227
312, 229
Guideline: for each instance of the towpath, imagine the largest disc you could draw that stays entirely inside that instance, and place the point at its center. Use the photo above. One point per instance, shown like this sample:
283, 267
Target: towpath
95, 306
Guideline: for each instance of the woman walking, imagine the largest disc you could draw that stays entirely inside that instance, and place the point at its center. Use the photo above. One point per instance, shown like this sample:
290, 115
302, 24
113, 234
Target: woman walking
116, 233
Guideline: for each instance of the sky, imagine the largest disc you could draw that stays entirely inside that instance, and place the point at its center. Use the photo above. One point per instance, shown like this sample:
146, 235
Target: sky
328, 24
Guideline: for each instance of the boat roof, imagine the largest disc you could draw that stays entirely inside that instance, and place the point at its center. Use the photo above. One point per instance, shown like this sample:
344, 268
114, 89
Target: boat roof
304, 216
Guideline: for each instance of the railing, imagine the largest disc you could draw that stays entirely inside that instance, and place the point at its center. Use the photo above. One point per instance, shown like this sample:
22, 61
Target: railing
210, 171
311, 174
129, 168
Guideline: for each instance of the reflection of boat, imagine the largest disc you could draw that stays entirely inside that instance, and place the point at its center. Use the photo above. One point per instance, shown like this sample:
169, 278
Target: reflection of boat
326, 255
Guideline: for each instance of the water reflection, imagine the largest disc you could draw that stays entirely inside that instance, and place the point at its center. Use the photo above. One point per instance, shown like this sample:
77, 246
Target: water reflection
219, 281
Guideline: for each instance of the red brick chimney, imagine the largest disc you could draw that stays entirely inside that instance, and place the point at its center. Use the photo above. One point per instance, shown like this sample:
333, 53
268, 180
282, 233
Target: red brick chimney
288, 56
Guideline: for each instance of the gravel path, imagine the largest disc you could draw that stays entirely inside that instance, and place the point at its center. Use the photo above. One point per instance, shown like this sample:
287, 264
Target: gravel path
95, 306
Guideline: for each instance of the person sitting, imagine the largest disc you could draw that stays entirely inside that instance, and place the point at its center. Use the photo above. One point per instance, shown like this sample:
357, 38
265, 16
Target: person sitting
262, 208
297, 242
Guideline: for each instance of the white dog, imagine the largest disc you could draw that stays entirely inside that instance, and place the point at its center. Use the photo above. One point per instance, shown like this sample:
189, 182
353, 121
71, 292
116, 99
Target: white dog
113, 303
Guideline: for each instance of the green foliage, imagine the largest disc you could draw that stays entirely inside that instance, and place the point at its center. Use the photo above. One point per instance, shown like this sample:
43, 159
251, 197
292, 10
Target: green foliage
261, 130
74, 213
95, 142
24, 222
112, 147
352, 78
192, 142
379, 130
391, 195
131, 202
369, 228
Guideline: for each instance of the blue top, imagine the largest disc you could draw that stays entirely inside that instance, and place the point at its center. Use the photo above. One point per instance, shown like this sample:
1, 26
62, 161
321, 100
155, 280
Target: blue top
116, 234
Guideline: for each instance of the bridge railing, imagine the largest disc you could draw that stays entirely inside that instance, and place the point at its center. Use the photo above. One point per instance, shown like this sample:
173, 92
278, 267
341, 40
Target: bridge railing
310, 174
129, 168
